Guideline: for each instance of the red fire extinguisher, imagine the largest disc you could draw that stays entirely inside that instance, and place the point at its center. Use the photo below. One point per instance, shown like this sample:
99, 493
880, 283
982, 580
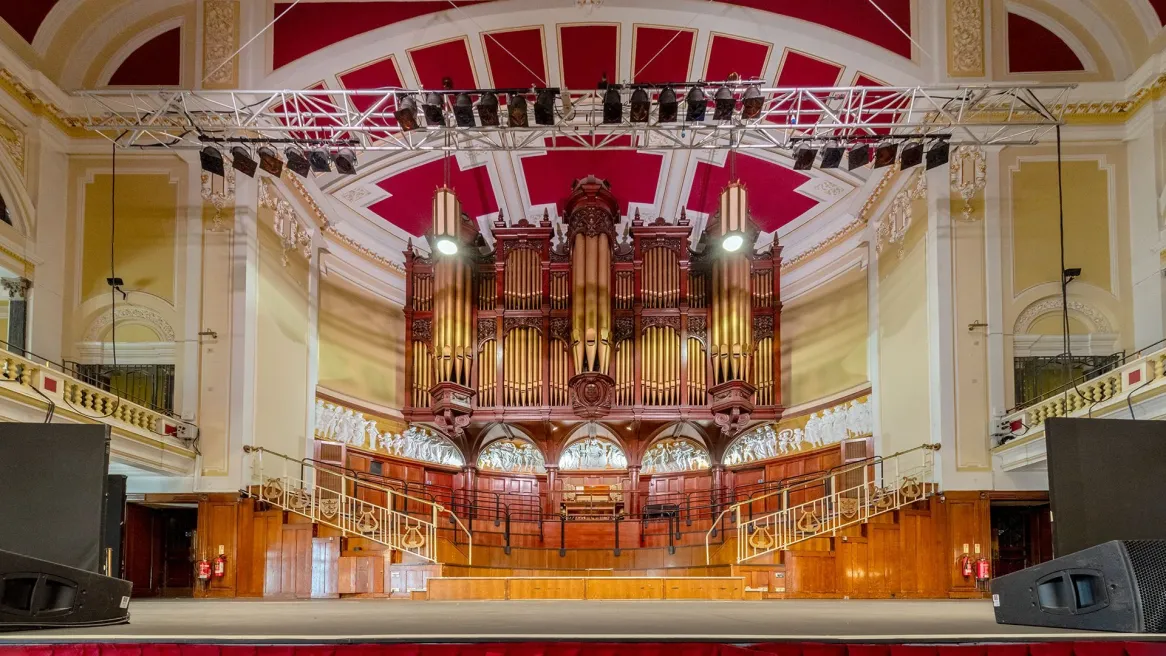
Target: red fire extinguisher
220, 567
983, 569
203, 568
966, 565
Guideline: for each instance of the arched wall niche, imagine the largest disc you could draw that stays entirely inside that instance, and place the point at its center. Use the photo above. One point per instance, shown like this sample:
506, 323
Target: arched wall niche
507, 450
593, 447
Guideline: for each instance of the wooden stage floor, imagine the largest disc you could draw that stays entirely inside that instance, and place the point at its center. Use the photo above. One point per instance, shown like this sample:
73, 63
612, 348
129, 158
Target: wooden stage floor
352, 621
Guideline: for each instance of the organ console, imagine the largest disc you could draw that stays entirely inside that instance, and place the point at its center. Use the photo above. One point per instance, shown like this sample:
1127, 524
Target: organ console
594, 315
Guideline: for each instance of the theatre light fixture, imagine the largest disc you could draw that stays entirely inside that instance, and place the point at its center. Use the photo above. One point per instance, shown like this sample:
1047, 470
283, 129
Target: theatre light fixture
641, 106
297, 161
911, 156
832, 157
406, 113
723, 104
804, 158
269, 161
752, 103
612, 106
320, 161
212, 161
242, 161
488, 109
938, 154
544, 107
697, 103
432, 106
346, 162
858, 156
516, 109
885, 154
463, 110
668, 104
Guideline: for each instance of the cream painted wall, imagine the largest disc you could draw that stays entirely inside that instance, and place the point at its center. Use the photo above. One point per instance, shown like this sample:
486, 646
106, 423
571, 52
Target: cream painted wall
147, 221
904, 389
362, 343
824, 340
281, 364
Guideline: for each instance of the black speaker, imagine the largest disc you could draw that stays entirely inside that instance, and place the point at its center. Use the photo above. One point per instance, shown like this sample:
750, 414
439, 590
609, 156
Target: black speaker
115, 512
1116, 586
38, 594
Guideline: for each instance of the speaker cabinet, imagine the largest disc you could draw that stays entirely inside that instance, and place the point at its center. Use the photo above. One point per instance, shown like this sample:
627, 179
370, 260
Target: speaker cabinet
1115, 586
37, 594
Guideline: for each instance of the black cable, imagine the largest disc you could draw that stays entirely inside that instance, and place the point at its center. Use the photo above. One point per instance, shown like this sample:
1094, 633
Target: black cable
1066, 369
1130, 396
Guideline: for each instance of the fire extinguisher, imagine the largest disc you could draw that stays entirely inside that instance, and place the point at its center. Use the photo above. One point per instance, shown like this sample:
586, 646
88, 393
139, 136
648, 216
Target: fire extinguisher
203, 569
983, 570
966, 565
220, 568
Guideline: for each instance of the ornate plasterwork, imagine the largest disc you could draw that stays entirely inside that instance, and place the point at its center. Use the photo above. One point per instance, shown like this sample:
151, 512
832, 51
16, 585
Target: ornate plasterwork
892, 229
17, 288
965, 38
512, 456
130, 314
219, 199
12, 141
1053, 304
675, 455
220, 40
287, 224
969, 175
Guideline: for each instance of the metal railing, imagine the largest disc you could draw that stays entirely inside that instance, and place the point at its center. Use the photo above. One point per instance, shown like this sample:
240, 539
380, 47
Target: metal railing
296, 486
850, 494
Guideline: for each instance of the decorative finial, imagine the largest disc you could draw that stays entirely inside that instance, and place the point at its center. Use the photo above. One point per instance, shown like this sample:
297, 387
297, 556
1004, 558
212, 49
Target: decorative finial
683, 217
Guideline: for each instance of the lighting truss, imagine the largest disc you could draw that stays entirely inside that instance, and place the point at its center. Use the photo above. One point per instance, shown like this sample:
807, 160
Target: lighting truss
364, 119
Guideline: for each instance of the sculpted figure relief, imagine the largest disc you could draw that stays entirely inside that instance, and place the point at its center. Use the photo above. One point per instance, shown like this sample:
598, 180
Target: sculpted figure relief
593, 453
512, 457
675, 455
829, 426
340, 424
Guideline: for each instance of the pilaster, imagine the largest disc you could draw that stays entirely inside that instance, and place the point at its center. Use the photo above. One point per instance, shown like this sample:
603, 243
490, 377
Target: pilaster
1146, 247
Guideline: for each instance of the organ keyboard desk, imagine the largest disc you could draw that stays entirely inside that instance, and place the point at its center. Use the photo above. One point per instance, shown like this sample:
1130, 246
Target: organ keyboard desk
592, 500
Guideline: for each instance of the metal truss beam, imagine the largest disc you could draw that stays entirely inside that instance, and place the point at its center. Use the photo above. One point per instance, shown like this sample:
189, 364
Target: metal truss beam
364, 119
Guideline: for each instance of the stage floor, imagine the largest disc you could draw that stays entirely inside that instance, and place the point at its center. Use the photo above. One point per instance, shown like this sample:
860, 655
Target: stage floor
261, 621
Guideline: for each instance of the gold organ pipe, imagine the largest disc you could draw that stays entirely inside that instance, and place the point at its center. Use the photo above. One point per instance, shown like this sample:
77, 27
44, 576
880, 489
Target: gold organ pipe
603, 296
578, 303
591, 303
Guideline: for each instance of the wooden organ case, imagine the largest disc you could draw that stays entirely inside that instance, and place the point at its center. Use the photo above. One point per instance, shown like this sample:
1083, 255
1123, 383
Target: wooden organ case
599, 325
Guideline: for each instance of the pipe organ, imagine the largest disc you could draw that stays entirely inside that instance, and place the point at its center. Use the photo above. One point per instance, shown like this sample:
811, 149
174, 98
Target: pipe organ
601, 315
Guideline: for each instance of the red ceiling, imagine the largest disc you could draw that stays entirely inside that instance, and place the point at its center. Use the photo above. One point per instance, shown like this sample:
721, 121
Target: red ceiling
510, 53
728, 55
411, 194
587, 53
801, 70
1159, 7
633, 175
661, 54
25, 16
1032, 48
383, 73
157, 62
312, 26
772, 199
446, 59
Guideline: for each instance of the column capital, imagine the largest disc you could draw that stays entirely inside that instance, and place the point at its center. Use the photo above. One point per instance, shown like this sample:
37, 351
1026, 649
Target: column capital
17, 288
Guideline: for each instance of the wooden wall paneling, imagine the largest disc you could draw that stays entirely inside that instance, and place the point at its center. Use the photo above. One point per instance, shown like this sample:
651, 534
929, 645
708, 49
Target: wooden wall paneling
296, 562
921, 571
249, 582
142, 550
443, 589
852, 559
713, 589
218, 523
885, 566
625, 588
325, 561
546, 588
810, 574
268, 528
966, 518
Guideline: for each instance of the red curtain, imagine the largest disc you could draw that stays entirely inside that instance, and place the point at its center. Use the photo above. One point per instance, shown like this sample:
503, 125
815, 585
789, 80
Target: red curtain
1093, 648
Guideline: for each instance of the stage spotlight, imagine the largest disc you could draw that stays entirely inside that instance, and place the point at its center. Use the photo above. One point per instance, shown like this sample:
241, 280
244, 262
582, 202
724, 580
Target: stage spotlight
858, 156
544, 107
885, 155
242, 161
406, 113
516, 108
733, 242
911, 156
832, 157
723, 105
447, 246
432, 105
938, 154
320, 161
463, 110
346, 161
212, 161
752, 102
612, 106
697, 104
269, 161
668, 105
804, 158
488, 109
641, 106
297, 161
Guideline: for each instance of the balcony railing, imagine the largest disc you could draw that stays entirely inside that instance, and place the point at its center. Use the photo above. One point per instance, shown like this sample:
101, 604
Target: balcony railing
1140, 372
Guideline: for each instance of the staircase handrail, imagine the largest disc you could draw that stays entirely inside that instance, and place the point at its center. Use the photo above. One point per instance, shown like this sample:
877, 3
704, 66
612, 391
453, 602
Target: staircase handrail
308, 462
830, 473
363, 477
